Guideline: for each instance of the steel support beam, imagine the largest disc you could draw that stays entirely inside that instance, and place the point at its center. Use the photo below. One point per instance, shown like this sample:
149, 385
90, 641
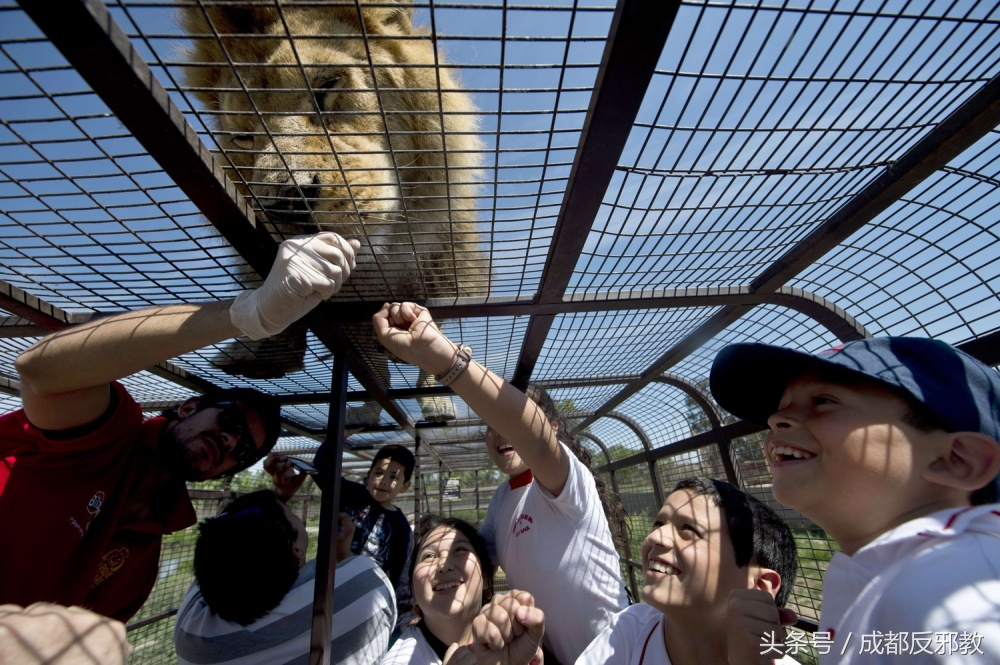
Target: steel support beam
638, 33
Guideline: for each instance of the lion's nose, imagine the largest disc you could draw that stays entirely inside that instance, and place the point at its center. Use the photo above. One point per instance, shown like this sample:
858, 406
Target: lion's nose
289, 204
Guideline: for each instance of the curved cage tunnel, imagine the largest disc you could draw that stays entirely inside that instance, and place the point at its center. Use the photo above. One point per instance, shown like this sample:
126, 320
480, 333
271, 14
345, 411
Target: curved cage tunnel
608, 193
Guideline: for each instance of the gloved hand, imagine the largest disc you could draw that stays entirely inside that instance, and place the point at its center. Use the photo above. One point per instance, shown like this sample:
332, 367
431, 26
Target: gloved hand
307, 270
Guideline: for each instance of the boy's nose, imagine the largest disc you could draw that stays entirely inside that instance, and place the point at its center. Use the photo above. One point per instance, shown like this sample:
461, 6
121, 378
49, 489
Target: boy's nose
658, 538
781, 419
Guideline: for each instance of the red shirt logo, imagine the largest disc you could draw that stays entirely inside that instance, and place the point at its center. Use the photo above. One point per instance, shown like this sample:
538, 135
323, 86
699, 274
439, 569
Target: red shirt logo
522, 524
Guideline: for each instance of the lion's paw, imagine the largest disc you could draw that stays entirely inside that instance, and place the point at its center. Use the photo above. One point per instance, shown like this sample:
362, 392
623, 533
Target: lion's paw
366, 415
437, 409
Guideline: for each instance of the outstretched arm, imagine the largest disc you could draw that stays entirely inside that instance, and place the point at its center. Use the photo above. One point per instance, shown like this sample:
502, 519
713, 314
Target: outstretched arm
65, 377
408, 331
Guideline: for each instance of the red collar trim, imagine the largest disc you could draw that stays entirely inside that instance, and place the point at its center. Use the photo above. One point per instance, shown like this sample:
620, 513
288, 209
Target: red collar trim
642, 657
521, 480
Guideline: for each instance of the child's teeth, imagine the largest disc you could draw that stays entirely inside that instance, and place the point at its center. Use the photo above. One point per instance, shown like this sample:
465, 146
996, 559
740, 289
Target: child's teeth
780, 452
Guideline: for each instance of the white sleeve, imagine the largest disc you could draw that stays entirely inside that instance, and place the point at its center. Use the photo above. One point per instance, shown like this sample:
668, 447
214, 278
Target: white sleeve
578, 494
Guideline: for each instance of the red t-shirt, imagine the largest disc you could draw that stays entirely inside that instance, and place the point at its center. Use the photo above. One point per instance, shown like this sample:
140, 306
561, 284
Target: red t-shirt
65, 539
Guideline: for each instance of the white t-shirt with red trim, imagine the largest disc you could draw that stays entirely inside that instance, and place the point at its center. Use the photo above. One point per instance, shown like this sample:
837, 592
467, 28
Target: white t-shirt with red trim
635, 637
560, 549
411, 648
927, 591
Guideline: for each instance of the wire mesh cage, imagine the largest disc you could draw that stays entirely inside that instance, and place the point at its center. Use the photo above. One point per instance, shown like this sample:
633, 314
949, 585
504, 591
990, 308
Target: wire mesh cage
596, 196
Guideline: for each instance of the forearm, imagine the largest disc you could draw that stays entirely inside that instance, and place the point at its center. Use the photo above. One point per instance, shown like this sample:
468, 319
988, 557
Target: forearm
512, 415
505, 409
64, 377
408, 331
113, 347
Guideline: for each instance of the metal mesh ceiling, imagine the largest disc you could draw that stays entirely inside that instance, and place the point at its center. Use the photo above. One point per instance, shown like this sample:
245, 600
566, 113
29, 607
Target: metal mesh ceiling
650, 181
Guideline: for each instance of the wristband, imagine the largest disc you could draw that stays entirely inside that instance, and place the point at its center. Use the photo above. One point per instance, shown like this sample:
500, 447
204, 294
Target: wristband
462, 359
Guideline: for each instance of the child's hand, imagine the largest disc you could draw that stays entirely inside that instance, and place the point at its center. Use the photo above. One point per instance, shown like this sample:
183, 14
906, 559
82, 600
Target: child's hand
755, 624
509, 630
287, 480
459, 654
345, 535
407, 331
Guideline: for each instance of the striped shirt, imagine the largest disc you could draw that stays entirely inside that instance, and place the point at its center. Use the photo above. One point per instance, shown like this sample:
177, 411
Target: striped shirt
364, 614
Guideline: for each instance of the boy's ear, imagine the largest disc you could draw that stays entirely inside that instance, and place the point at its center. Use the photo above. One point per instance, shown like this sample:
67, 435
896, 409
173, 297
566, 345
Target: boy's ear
767, 580
406, 486
971, 461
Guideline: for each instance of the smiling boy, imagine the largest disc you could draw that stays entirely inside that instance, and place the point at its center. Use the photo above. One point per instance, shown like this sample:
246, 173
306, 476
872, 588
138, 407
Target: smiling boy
382, 531
715, 559
891, 446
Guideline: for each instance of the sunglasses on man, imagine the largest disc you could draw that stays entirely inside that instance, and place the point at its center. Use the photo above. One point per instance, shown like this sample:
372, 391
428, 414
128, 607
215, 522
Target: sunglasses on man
233, 421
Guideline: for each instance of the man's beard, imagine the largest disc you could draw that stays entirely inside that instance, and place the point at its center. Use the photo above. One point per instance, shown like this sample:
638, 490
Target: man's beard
176, 458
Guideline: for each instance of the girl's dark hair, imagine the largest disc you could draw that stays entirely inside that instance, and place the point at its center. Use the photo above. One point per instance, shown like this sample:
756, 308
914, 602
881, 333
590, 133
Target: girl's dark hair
243, 559
758, 535
486, 567
614, 511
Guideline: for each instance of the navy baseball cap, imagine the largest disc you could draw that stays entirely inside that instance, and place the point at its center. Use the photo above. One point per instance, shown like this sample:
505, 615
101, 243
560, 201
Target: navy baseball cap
747, 380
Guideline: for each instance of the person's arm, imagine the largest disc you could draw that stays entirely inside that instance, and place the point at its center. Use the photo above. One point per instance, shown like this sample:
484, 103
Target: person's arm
408, 331
286, 478
44, 633
345, 534
65, 377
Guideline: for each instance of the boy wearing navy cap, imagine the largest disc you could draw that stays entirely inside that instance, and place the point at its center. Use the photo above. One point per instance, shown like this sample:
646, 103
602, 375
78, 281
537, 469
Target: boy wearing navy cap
891, 446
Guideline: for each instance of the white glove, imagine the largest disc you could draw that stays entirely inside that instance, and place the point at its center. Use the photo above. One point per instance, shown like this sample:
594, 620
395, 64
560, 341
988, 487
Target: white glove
307, 270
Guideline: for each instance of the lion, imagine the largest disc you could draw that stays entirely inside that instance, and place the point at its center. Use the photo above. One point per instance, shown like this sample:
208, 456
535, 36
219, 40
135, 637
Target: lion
338, 116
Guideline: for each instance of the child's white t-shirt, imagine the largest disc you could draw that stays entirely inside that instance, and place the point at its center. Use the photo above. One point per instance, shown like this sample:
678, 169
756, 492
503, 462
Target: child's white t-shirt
560, 550
411, 649
635, 637
927, 591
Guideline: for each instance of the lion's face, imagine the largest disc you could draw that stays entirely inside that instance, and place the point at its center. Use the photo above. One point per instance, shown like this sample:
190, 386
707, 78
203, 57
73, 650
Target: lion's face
329, 147
325, 129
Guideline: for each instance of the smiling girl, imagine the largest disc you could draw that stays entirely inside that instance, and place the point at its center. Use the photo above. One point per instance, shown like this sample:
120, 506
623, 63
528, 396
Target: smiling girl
451, 578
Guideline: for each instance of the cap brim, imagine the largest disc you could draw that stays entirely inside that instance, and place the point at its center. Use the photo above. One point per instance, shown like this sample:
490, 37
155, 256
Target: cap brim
747, 380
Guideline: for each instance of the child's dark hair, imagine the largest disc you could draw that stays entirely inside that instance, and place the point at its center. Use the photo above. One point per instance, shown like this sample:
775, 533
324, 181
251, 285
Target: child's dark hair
614, 511
431, 522
396, 453
243, 560
265, 406
758, 535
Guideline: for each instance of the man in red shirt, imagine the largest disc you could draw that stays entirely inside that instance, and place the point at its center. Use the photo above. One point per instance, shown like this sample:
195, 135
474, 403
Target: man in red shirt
87, 489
